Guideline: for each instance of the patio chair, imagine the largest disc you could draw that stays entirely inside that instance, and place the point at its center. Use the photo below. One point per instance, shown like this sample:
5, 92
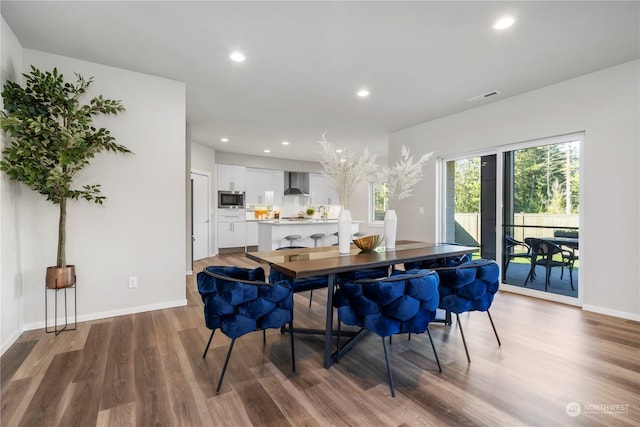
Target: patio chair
549, 255
238, 301
509, 253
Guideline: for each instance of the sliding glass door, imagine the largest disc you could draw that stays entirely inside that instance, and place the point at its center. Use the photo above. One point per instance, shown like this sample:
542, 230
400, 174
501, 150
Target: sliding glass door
540, 215
507, 203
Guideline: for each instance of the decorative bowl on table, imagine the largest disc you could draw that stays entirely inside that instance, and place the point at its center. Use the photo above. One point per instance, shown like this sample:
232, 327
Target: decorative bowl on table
368, 243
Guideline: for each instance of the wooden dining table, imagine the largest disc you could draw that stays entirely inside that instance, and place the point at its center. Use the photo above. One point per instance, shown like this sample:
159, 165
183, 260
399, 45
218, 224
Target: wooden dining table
328, 261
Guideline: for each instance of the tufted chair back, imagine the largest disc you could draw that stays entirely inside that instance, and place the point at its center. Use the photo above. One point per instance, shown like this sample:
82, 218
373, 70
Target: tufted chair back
299, 285
238, 301
405, 302
469, 286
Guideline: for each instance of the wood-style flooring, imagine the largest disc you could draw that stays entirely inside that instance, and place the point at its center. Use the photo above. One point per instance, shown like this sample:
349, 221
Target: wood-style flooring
147, 369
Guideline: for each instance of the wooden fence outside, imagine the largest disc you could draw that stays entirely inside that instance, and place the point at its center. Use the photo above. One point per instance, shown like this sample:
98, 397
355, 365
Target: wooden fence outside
468, 225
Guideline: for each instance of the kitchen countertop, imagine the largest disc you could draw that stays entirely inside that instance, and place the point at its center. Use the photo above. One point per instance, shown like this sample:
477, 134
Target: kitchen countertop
297, 221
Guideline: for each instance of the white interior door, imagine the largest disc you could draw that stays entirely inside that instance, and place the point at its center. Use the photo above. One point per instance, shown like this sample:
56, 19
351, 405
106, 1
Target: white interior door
201, 222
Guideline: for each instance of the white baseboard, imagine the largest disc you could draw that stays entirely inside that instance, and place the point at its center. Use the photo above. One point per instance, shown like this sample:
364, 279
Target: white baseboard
12, 339
189, 272
113, 313
609, 312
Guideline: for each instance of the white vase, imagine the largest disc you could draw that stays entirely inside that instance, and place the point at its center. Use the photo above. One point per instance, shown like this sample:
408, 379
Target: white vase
344, 231
390, 226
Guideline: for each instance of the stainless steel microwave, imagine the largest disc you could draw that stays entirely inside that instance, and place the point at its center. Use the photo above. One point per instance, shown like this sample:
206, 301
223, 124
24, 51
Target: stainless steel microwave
231, 199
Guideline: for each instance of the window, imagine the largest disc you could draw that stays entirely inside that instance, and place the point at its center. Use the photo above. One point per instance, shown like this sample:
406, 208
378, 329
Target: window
379, 201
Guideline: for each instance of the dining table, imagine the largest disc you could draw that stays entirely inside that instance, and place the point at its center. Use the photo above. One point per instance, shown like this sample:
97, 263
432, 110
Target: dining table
328, 261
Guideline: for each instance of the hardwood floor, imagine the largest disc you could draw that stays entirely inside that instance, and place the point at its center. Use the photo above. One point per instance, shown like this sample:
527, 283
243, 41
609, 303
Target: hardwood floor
147, 369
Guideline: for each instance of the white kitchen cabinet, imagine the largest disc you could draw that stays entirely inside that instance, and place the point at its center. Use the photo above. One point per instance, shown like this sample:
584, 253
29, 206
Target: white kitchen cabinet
231, 228
264, 187
321, 191
231, 178
252, 233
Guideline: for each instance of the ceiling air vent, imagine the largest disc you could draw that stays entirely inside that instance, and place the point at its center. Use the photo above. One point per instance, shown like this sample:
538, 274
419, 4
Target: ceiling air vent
484, 96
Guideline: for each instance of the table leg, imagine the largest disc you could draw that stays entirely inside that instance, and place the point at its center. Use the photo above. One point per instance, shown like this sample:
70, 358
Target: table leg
328, 334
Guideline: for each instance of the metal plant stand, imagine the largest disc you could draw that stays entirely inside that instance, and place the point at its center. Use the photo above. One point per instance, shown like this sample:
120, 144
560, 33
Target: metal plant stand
56, 329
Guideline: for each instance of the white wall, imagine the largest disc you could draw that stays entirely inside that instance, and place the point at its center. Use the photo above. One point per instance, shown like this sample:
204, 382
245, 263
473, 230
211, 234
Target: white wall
140, 230
606, 106
10, 285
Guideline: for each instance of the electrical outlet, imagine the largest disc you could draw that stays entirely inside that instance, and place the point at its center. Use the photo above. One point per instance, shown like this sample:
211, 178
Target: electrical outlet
133, 282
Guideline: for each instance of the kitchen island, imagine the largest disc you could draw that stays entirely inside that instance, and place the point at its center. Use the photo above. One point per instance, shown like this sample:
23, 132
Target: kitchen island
271, 233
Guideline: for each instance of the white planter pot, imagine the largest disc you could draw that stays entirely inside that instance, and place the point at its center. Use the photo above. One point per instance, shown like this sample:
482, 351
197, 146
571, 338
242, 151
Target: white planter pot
344, 231
390, 227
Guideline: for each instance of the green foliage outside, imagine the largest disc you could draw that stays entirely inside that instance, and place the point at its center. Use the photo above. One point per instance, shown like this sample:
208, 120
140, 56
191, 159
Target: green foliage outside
467, 179
381, 199
545, 180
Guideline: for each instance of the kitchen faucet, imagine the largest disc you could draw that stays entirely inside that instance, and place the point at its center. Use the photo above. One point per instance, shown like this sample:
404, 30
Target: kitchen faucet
323, 212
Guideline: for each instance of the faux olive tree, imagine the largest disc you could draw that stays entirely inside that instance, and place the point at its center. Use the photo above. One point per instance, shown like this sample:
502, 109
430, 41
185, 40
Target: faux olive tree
52, 138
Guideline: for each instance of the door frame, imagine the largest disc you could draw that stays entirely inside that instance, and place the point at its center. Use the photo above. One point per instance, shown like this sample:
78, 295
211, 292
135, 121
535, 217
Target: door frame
206, 174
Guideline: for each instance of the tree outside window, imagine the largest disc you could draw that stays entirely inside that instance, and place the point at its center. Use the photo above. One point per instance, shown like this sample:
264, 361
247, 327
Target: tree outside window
380, 199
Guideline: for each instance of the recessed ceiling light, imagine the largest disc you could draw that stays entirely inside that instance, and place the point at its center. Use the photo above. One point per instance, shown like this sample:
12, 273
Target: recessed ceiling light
504, 22
285, 142
363, 93
237, 56
339, 150
224, 139
267, 151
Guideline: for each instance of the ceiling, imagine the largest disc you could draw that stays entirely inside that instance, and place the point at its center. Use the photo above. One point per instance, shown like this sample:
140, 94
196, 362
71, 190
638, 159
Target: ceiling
306, 60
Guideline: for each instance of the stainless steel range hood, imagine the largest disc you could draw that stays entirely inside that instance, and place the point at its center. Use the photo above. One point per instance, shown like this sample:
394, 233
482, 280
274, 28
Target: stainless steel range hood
296, 184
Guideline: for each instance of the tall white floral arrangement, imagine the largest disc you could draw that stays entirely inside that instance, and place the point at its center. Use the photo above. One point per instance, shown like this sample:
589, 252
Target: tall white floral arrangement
346, 169
404, 174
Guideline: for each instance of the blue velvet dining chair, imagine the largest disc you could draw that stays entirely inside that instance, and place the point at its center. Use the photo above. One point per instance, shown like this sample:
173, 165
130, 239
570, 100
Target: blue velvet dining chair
302, 284
469, 286
238, 301
403, 303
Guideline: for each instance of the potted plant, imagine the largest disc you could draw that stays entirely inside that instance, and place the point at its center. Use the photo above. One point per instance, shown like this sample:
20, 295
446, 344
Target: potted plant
52, 139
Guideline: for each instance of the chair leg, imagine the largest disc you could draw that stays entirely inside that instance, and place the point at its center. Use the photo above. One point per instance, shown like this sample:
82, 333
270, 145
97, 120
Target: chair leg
531, 275
293, 350
571, 277
494, 328
208, 344
310, 298
434, 350
547, 278
338, 344
224, 368
264, 336
386, 359
463, 340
